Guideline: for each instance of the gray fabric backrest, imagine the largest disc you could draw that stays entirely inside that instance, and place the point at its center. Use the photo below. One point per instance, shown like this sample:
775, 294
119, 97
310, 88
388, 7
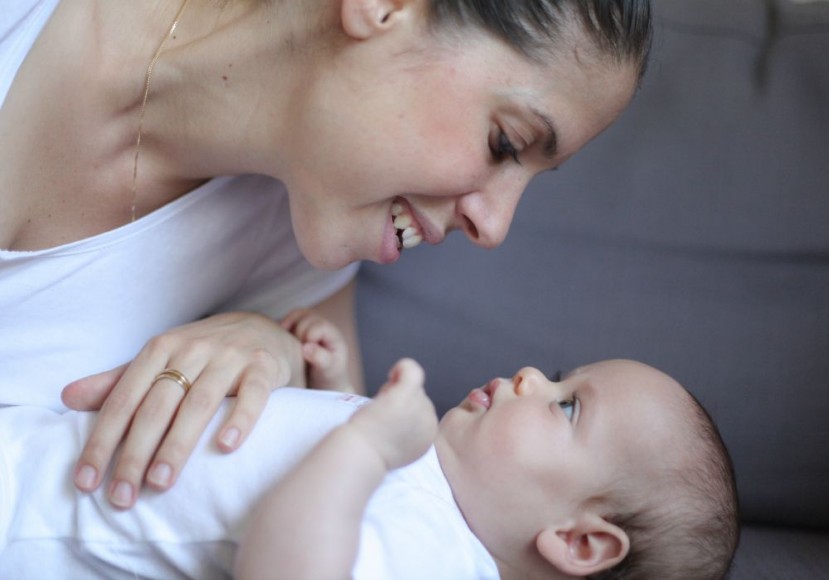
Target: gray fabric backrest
693, 235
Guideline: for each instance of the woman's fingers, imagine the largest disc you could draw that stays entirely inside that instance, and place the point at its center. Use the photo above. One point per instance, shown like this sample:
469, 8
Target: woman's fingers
89, 394
159, 408
167, 426
149, 426
110, 427
195, 412
252, 396
160, 444
169, 421
136, 415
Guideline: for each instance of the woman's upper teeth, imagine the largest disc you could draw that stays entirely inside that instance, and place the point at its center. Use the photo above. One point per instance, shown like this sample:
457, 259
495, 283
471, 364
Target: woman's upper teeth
407, 234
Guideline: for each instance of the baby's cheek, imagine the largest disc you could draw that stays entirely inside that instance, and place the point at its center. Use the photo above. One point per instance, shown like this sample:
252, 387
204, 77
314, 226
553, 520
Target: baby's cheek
523, 439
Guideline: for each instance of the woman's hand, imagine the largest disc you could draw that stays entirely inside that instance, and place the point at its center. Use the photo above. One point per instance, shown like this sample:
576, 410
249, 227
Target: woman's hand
158, 421
324, 349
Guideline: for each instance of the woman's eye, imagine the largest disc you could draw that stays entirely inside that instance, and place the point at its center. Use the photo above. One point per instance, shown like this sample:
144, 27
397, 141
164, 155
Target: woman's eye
503, 148
569, 407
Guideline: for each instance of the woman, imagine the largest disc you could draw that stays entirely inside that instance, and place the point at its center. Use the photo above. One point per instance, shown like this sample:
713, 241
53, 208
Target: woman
151, 152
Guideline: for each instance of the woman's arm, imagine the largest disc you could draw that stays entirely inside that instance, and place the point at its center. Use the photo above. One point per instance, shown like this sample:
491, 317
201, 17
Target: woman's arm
308, 525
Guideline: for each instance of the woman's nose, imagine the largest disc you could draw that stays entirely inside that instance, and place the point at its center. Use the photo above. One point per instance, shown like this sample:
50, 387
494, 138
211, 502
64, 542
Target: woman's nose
528, 380
486, 215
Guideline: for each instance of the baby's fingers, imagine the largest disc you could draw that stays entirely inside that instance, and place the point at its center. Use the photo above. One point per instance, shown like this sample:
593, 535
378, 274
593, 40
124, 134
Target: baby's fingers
317, 356
406, 377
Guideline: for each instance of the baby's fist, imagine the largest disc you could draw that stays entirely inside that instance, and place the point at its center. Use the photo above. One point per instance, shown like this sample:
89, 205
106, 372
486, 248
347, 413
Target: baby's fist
324, 349
400, 423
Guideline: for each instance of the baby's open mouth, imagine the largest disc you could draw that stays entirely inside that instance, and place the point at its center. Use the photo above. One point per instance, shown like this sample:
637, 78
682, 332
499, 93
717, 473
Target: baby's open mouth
408, 235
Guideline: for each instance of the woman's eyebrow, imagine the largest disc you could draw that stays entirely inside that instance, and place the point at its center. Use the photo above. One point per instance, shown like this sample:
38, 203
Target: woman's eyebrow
550, 146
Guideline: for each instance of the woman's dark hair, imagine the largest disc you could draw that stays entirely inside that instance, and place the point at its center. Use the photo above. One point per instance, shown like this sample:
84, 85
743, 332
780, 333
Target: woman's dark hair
620, 29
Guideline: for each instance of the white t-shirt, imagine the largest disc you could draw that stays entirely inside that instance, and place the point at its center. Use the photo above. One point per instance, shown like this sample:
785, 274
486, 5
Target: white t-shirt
88, 306
412, 528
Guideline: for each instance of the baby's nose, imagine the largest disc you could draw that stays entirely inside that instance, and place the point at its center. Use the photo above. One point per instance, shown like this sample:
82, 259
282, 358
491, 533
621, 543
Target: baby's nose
527, 380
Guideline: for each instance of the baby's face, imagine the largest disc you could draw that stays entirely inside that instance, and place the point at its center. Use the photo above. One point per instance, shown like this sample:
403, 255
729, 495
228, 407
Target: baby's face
524, 453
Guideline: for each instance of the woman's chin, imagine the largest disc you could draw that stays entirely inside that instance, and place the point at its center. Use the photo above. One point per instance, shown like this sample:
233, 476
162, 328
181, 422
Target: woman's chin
327, 259
388, 255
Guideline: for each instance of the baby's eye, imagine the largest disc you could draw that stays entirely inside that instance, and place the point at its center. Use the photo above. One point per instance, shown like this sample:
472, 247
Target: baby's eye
569, 407
503, 148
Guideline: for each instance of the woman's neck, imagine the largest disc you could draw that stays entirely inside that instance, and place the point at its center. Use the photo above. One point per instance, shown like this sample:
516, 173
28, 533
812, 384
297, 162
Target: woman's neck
220, 88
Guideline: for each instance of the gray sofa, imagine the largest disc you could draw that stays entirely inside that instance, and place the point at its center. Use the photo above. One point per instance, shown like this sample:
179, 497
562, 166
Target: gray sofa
693, 235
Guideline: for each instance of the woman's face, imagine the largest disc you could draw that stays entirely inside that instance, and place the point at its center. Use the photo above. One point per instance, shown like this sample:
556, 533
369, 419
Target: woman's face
394, 137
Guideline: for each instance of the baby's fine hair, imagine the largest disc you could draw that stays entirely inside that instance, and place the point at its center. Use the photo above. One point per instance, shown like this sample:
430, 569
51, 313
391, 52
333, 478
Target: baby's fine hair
689, 529
621, 29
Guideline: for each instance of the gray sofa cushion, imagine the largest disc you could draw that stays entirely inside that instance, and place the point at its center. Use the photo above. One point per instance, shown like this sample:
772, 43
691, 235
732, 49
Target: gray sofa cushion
693, 235
781, 554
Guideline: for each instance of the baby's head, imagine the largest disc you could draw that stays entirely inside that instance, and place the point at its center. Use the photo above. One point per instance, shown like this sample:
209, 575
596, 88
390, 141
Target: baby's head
614, 471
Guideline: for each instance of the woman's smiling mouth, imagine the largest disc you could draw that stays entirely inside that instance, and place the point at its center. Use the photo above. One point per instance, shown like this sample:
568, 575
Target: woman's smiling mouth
408, 235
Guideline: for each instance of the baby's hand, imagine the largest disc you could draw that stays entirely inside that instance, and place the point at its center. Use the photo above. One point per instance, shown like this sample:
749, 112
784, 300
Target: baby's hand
400, 423
323, 348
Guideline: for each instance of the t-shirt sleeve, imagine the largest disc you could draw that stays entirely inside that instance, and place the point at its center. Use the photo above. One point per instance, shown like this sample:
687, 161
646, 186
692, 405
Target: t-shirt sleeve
411, 537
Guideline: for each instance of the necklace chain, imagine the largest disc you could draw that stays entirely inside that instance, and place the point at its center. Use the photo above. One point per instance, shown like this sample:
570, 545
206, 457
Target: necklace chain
147, 78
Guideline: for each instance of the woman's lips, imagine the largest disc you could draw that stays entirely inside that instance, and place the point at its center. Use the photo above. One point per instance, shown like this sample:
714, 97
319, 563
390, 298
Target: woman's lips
389, 249
405, 229
408, 216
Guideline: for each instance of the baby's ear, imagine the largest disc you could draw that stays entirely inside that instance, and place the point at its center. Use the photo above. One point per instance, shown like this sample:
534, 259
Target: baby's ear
585, 547
362, 19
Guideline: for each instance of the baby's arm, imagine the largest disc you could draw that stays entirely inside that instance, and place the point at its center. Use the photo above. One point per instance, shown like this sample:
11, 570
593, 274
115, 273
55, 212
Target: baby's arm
324, 350
308, 525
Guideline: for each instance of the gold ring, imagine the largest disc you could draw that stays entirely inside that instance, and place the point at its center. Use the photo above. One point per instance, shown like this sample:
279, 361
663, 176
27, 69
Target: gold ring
175, 376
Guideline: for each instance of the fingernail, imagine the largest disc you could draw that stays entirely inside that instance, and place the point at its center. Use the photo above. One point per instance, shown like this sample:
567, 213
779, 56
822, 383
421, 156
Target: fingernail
161, 474
121, 495
230, 438
85, 477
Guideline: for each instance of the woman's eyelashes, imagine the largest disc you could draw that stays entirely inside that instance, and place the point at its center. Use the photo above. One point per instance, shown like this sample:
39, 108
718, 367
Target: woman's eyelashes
503, 148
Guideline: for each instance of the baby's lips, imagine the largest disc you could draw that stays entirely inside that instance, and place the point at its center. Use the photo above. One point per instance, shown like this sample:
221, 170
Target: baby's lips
480, 397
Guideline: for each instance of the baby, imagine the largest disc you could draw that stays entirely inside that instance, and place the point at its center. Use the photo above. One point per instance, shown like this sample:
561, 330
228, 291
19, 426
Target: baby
613, 471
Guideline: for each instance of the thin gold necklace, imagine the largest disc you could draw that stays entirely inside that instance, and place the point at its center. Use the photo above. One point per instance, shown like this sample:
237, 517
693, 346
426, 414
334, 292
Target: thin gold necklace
147, 78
